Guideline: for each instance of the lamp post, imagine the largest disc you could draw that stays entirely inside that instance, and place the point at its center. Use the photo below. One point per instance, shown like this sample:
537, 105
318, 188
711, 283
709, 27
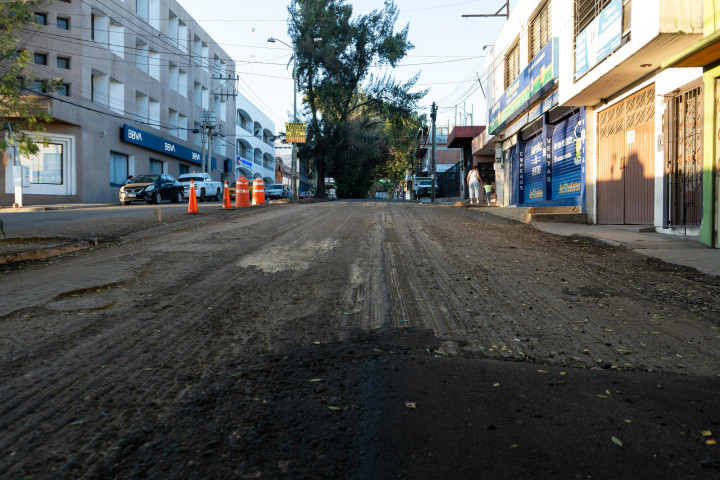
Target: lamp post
294, 145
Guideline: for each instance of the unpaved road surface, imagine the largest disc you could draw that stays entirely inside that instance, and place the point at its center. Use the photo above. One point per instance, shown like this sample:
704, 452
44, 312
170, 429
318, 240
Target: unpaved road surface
355, 339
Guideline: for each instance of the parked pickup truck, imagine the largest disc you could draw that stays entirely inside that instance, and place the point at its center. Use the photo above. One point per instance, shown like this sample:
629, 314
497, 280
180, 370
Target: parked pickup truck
204, 186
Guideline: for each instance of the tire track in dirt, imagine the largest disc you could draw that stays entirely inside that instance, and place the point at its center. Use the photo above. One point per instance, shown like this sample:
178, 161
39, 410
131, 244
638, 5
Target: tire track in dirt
167, 336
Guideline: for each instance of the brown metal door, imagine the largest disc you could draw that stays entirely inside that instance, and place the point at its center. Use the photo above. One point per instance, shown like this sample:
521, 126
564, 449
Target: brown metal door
611, 160
626, 185
639, 167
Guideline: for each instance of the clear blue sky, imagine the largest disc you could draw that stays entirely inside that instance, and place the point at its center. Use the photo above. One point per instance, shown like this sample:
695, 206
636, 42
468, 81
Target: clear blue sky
448, 50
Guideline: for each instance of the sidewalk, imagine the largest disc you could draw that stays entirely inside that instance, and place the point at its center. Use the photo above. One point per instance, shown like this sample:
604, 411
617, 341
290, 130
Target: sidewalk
675, 249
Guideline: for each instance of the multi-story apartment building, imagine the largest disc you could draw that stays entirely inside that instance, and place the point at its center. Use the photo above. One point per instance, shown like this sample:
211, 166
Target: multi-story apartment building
136, 78
254, 144
583, 115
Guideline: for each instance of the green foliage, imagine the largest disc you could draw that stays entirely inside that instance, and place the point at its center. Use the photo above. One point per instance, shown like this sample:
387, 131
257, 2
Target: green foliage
355, 119
18, 110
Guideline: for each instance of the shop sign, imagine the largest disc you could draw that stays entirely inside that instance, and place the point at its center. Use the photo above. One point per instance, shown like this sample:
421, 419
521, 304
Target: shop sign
242, 162
159, 144
295, 132
536, 79
599, 39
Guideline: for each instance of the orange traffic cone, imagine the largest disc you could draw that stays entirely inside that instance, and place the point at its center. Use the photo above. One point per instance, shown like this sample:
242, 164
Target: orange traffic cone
242, 195
226, 199
192, 202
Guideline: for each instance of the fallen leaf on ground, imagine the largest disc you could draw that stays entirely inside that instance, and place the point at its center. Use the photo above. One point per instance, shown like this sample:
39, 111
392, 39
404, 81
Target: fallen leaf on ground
316, 379
617, 441
334, 409
411, 405
542, 371
706, 433
496, 384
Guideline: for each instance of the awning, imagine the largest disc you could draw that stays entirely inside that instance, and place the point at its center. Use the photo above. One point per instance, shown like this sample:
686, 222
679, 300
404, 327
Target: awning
703, 53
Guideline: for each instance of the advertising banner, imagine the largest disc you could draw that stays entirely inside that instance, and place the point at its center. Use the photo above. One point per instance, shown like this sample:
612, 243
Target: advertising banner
537, 78
568, 157
599, 39
295, 132
534, 170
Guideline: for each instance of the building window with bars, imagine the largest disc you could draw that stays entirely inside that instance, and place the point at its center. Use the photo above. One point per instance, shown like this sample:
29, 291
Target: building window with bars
539, 31
512, 65
589, 48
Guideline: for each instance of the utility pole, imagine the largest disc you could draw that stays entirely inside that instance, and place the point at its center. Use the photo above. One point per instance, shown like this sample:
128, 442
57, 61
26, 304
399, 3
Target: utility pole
433, 116
496, 14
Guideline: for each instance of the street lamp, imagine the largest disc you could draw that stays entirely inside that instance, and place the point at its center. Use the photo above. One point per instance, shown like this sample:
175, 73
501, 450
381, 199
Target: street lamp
294, 145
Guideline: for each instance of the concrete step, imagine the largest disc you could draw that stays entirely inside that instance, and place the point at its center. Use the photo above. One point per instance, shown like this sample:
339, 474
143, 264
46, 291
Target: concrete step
580, 218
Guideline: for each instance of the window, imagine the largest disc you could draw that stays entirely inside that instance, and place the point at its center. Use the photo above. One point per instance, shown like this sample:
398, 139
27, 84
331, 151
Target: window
41, 18
39, 86
539, 31
118, 169
63, 89
63, 62
156, 166
184, 169
589, 48
63, 23
142, 107
46, 167
100, 28
173, 122
512, 65
142, 52
40, 58
173, 77
154, 113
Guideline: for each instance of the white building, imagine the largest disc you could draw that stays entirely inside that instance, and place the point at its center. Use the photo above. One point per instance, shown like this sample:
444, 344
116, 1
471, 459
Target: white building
582, 115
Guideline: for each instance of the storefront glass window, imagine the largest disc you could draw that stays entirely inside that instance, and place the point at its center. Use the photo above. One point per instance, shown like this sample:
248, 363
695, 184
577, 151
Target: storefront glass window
46, 167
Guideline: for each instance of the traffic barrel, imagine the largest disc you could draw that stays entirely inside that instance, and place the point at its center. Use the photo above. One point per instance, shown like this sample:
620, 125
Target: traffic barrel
226, 198
242, 193
258, 196
192, 202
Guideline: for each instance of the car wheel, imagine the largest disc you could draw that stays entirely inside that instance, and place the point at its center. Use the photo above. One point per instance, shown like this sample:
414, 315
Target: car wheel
157, 198
201, 198
218, 195
178, 197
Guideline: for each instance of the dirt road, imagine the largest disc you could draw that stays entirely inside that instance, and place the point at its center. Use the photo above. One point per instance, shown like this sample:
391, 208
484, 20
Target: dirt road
356, 340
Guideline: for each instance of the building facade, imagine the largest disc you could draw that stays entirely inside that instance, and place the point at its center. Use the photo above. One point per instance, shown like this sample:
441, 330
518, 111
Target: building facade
701, 142
583, 115
137, 76
254, 143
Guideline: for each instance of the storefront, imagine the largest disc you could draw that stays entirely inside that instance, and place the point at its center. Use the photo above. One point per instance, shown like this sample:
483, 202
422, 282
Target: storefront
548, 161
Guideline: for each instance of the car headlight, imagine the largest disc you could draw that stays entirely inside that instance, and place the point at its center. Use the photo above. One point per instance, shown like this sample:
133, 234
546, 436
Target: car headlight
150, 188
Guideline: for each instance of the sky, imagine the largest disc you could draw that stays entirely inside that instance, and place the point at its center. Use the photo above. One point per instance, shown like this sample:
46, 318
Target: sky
448, 51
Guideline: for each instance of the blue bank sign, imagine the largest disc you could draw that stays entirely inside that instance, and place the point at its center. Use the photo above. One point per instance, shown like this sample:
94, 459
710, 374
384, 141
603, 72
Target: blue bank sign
159, 144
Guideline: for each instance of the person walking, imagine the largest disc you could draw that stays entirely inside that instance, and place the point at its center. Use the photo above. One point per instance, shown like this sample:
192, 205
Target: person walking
488, 190
129, 180
473, 181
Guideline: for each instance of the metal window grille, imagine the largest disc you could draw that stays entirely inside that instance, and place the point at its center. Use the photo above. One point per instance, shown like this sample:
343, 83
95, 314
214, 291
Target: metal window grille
684, 156
540, 28
512, 65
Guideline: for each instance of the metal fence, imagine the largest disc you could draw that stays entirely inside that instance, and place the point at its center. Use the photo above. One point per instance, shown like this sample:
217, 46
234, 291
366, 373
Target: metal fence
449, 182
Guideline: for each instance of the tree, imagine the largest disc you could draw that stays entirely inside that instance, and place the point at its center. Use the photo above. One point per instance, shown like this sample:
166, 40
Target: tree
18, 110
345, 103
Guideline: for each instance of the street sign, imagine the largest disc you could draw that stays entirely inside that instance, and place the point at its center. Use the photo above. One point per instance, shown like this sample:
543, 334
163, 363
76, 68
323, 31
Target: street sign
295, 132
